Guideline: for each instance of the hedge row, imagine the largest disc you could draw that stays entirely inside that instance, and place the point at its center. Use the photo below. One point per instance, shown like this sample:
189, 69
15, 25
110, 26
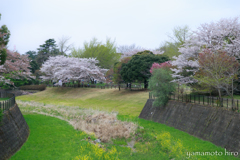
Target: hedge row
33, 87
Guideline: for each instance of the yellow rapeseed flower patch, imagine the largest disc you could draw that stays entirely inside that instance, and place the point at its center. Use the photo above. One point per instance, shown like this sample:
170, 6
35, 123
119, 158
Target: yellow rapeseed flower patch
173, 147
93, 151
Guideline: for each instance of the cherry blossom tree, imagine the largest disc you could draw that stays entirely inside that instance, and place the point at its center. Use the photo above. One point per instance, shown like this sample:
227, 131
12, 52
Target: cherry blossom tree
16, 62
129, 51
223, 36
161, 65
217, 70
17, 66
12, 64
70, 68
135, 51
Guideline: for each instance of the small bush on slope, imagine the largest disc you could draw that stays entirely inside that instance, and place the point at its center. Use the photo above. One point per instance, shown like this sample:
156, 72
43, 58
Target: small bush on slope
161, 86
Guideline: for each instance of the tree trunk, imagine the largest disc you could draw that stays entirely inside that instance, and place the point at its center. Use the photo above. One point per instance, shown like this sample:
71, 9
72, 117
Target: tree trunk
92, 81
178, 88
145, 84
220, 97
234, 107
219, 93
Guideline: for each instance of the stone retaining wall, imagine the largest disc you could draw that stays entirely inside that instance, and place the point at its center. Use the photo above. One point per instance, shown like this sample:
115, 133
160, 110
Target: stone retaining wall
14, 132
216, 125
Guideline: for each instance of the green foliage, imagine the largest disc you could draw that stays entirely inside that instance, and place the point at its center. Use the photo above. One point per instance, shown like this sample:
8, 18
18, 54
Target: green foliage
217, 70
116, 73
161, 86
180, 35
170, 49
34, 66
49, 48
117, 78
31, 54
105, 53
5, 35
17, 82
176, 40
3, 56
4, 39
146, 52
186, 73
138, 68
204, 89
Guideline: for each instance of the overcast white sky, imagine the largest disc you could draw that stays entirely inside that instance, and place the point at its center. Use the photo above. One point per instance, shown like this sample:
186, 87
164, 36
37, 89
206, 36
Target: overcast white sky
143, 22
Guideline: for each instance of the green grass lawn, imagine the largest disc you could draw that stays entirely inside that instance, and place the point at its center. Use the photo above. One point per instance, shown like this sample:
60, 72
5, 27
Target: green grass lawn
51, 138
125, 102
3, 99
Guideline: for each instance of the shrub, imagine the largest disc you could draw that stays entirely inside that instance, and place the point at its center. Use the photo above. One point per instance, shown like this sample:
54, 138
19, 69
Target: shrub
33, 87
161, 86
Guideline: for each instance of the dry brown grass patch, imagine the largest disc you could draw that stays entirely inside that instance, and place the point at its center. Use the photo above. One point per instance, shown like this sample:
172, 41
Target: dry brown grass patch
105, 125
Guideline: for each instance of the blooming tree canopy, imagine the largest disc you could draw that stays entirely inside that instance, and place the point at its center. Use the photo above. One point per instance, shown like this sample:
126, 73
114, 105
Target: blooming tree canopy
61, 67
16, 62
161, 65
17, 66
223, 36
129, 51
135, 51
218, 71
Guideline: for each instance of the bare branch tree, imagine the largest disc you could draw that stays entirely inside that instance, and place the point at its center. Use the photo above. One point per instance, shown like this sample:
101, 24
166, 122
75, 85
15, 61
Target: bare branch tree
64, 47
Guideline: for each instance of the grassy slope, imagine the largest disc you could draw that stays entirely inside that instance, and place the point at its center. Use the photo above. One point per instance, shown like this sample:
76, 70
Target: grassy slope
129, 104
125, 102
50, 138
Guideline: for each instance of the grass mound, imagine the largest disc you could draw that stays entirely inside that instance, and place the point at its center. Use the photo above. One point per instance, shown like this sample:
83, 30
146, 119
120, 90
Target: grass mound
106, 126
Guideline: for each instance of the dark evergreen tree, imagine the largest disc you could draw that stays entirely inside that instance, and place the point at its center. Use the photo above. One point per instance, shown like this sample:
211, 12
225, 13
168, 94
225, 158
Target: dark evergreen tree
138, 68
31, 54
46, 50
4, 39
34, 66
